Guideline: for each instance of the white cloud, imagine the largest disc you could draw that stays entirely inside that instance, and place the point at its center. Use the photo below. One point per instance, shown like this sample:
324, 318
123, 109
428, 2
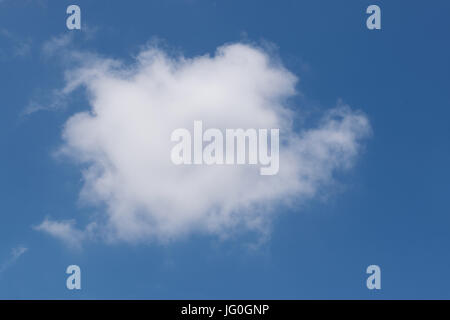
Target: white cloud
60, 48
16, 253
123, 144
56, 44
55, 100
65, 231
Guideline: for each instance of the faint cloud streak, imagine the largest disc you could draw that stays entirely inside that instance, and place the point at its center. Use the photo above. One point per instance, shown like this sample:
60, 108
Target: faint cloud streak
16, 253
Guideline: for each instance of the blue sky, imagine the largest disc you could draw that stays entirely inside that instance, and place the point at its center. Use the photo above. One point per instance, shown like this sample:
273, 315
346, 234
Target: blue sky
389, 209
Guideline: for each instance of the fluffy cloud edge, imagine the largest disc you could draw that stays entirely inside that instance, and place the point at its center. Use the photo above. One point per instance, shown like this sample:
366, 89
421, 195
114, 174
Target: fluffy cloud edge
334, 144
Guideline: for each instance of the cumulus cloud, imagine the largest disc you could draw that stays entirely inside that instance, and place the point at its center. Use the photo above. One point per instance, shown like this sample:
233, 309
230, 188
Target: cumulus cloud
122, 144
